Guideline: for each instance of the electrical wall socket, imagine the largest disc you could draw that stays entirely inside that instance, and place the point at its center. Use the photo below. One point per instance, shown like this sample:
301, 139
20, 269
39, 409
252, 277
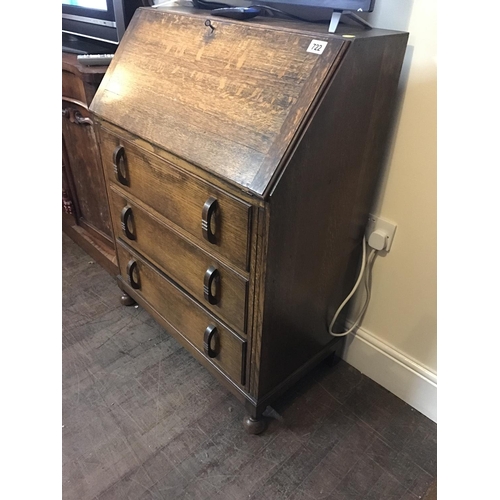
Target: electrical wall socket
376, 223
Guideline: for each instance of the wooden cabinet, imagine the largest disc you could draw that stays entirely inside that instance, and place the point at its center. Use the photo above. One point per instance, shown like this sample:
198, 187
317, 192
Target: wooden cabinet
86, 216
241, 166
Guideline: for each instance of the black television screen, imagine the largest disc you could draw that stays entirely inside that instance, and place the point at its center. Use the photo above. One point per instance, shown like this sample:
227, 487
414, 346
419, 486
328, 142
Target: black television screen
95, 26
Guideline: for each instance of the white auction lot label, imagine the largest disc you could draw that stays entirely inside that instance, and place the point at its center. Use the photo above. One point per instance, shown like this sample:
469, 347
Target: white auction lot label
317, 46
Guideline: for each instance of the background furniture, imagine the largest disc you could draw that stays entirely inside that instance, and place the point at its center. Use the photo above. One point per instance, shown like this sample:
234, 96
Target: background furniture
86, 217
241, 160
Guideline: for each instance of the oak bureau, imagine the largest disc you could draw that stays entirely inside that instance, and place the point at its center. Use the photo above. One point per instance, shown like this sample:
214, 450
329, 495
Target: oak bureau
241, 162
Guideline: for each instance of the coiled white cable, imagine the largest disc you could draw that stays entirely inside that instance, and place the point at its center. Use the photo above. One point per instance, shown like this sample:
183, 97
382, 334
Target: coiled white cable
365, 265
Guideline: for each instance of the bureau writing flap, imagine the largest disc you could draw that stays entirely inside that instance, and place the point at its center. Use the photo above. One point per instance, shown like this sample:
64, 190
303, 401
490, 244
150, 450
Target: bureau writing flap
228, 98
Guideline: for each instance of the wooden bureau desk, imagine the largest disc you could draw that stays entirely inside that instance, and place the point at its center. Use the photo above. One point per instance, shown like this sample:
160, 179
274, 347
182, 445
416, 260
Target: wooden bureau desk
241, 161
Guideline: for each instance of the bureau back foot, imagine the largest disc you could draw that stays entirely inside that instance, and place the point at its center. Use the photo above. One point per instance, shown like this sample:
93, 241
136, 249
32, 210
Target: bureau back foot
126, 299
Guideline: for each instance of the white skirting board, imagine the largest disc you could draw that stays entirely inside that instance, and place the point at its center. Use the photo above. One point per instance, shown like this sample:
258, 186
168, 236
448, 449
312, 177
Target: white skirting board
399, 374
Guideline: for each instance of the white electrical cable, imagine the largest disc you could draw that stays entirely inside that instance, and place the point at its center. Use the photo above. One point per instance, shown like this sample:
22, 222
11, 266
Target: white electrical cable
365, 264
369, 267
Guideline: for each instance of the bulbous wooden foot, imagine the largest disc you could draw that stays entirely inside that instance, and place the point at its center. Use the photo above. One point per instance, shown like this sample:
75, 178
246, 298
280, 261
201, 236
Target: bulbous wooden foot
254, 425
332, 360
126, 299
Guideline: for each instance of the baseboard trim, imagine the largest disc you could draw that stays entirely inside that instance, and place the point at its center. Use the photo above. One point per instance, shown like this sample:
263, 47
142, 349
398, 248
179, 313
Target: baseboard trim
406, 378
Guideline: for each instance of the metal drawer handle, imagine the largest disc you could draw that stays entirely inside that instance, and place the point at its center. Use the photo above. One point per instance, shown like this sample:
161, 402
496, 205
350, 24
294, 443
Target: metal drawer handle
131, 269
208, 213
75, 116
120, 166
82, 120
126, 216
212, 276
210, 333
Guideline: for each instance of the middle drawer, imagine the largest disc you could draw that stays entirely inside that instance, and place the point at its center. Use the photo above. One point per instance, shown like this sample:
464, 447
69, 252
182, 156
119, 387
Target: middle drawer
215, 285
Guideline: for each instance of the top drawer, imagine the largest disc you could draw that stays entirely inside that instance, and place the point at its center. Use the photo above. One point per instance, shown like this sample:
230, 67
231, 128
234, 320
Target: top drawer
217, 220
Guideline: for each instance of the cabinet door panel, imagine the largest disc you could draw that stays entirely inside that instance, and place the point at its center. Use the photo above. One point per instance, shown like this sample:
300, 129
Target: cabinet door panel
85, 166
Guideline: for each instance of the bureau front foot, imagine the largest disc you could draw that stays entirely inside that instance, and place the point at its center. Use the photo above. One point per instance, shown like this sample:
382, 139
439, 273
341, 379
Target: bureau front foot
126, 299
254, 425
332, 360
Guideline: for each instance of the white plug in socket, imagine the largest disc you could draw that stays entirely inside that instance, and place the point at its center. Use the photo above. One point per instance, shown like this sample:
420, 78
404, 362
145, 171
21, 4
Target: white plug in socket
377, 240
380, 233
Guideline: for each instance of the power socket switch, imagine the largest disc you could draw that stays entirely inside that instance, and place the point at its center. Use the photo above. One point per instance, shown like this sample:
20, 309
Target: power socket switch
380, 233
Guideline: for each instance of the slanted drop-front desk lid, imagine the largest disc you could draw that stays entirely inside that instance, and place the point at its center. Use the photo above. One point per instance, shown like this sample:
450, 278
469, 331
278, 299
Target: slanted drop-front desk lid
227, 96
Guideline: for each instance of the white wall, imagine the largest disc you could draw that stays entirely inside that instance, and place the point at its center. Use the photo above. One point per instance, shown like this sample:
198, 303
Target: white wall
402, 315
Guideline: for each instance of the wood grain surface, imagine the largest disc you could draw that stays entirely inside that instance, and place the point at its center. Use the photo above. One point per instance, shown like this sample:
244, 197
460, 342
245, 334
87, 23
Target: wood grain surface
86, 169
187, 317
319, 208
90, 225
250, 105
222, 99
182, 261
180, 197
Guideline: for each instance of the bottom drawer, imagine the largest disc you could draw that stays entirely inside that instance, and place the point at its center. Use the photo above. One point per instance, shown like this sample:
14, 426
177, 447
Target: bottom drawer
216, 342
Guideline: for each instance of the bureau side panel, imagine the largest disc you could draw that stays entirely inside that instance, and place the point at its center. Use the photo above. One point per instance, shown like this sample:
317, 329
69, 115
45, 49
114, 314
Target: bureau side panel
319, 208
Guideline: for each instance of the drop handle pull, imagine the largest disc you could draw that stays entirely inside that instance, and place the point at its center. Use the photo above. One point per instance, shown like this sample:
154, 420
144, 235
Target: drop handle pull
133, 275
75, 116
208, 216
209, 335
126, 218
211, 285
82, 120
120, 166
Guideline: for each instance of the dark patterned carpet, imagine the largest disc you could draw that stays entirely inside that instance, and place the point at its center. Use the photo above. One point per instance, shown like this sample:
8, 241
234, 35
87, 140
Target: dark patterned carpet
143, 420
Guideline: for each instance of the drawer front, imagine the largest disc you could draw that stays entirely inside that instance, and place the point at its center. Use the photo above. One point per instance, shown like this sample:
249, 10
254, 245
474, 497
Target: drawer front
215, 285
215, 219
217, 343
